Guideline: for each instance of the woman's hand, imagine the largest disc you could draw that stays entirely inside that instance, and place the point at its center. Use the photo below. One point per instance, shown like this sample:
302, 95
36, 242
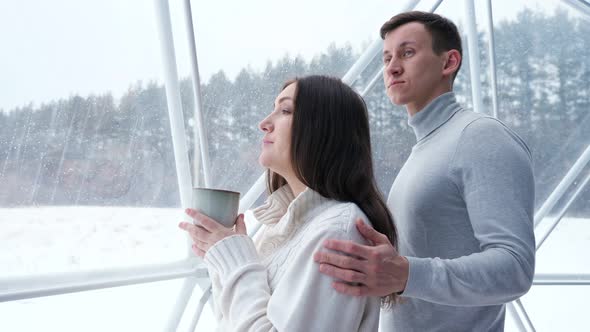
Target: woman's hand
207, 231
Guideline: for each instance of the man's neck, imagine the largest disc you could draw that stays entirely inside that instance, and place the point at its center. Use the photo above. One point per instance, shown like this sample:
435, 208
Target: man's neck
414, 108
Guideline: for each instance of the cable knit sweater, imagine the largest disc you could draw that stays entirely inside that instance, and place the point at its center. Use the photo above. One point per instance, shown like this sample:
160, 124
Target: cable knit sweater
273, 284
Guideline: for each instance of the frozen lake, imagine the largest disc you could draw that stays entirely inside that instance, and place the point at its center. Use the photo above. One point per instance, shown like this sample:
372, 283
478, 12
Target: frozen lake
59, 239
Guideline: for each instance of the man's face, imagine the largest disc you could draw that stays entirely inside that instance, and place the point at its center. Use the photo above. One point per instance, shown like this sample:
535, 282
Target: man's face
413, 73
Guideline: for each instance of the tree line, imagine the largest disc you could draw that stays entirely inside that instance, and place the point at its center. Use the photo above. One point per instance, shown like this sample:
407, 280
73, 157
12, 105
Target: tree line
98, 150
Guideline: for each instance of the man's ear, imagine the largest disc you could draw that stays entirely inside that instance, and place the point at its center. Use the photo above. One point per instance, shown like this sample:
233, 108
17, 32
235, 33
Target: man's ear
452, 62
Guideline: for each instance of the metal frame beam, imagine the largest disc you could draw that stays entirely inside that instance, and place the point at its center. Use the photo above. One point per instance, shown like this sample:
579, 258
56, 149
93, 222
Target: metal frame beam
561, 279
473, 52
27, 287
563, 185
201, 147
492, 59
542, 237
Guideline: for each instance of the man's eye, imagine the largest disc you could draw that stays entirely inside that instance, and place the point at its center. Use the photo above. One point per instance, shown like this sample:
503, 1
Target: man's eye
386, 60
408, 53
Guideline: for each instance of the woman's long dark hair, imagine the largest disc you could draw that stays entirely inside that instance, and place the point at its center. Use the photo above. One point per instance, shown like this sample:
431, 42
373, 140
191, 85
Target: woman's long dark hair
331, 150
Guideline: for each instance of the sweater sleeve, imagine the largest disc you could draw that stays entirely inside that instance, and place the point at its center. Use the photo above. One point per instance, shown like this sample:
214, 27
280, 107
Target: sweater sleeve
303, 300
493, 173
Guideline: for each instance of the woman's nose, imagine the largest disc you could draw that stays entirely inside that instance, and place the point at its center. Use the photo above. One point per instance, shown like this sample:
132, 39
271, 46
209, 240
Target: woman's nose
265, 125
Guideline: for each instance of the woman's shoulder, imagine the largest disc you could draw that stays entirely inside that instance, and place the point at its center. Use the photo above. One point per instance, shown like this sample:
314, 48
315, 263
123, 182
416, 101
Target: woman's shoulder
339, 217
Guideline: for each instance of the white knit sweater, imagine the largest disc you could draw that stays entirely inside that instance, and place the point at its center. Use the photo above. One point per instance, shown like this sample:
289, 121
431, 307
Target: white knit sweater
274, 284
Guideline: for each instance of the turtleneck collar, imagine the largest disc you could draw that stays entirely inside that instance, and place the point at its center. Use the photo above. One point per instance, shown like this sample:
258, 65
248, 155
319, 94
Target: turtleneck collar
275, 206
434, 115
282, 213
282, 201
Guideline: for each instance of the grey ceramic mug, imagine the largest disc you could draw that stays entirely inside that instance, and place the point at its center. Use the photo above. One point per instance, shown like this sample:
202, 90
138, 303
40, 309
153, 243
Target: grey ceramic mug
218, 204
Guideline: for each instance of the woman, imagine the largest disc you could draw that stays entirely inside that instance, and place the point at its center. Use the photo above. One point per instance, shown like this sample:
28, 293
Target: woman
317, 150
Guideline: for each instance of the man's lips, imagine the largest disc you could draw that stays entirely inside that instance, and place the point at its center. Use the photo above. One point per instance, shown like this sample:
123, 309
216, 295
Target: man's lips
395, 83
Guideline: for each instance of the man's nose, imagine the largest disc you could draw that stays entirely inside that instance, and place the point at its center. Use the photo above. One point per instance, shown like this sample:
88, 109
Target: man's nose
393, 68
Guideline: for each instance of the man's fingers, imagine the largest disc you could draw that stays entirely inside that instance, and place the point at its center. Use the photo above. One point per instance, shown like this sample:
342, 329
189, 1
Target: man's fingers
348, 247
370, 233
347, 289
341, 261
343, 274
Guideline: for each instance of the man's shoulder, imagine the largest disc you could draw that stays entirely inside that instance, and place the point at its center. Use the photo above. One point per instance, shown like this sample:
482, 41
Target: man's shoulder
468, 121
466, 118
483, 135
484, 128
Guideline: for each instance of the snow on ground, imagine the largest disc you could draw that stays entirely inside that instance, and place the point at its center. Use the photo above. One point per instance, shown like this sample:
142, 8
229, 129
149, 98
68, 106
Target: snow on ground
58, 239
63, 239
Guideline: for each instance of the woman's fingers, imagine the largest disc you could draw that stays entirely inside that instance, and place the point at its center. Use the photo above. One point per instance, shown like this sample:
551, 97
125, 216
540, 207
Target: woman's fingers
196, 232
241, 225
198, 251
199, 237
204, 221
206, 231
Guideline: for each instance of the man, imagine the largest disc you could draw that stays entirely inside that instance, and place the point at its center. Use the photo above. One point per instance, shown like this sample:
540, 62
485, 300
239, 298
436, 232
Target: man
462, 203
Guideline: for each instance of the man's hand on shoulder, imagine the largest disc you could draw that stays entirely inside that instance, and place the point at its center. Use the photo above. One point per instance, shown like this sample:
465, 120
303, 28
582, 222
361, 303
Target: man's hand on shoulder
372, 270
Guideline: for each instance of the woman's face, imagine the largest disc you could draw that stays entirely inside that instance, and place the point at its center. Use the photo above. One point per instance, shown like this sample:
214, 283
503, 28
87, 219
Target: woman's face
276, 143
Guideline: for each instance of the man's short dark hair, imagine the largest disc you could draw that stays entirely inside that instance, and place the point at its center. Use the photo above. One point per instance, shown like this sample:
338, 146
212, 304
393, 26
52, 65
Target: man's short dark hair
445, 35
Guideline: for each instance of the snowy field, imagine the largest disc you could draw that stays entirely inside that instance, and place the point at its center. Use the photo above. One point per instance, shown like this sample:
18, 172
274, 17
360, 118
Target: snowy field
57, 239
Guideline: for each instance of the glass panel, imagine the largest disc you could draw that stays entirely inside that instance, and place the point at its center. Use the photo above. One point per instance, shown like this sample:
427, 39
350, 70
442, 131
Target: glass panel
543, 86
564, 250
86, 160
85, 143
556, 308
245, 59
562, 308
392, 138
144, 307
207, 321
53, 238
543, 91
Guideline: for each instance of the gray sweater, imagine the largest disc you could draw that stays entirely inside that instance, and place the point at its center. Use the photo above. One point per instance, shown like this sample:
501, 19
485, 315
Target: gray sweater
463, 204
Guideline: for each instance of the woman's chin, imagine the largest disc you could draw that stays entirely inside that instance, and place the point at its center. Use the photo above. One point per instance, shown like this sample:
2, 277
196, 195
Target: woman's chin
263, 162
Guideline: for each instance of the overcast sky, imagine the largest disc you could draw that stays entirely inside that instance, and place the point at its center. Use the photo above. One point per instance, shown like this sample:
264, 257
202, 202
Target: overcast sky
56, 48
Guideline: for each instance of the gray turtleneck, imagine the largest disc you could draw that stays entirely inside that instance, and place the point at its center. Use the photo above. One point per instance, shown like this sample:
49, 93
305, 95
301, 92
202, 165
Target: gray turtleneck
463, 205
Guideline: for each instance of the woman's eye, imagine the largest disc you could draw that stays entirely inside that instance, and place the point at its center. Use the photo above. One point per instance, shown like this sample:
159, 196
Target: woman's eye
285, 111
386, 60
